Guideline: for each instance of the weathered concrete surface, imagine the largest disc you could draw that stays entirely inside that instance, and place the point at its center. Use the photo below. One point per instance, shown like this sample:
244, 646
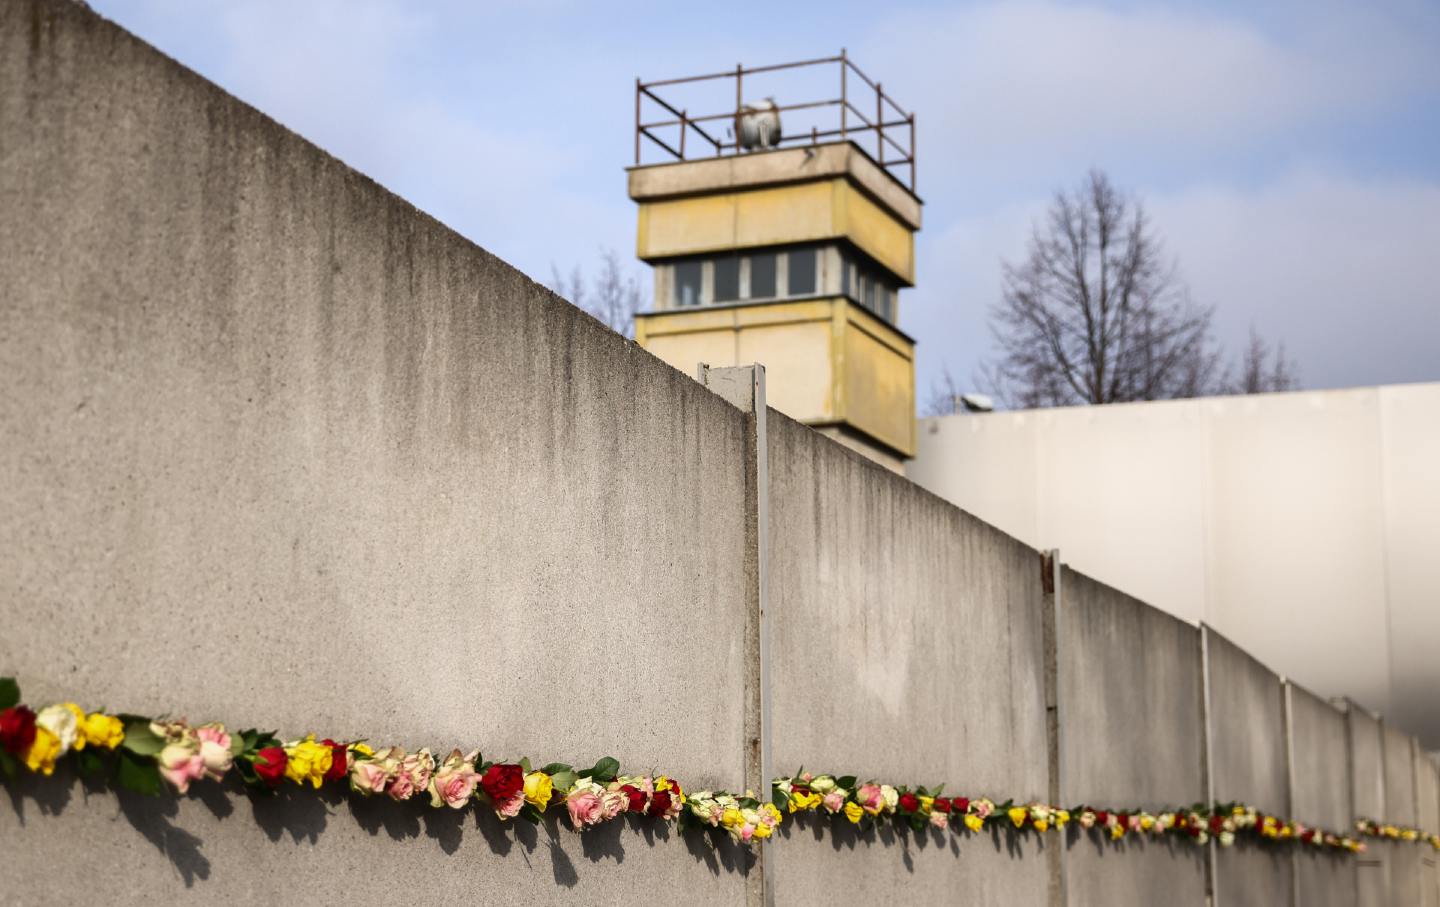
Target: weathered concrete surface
1131, 734
1247, 752
278, 449
1367, 801
908, 644
1401, 808
1321, 797
1427, 787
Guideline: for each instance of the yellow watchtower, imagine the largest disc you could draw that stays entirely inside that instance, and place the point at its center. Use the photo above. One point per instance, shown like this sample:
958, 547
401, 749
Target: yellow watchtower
786, 244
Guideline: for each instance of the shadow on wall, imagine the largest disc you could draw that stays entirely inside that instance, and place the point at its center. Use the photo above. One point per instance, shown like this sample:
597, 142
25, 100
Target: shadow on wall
301, 816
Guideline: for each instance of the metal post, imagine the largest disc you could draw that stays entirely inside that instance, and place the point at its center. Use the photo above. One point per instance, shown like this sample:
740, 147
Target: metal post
844, 102
880, 122
739, 102
1207, 757
912, 152
637, 122
683, 130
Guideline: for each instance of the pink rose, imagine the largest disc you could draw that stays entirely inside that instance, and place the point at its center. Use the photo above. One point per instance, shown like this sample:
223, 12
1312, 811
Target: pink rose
509, 809
940, 820
834, 801
613, 803
180, 764
982, 808
585, 808
869, 796
368, 778
215, 750
747, 832
402, 787
454, 783
419, 766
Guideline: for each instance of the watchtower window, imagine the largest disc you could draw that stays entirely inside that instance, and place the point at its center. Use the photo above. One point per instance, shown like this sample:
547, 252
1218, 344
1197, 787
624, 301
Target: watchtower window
727, 278
802, 272
762, 275
689, 277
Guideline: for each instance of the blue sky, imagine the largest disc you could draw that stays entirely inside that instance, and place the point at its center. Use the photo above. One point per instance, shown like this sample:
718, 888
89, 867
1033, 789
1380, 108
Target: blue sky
1289, 152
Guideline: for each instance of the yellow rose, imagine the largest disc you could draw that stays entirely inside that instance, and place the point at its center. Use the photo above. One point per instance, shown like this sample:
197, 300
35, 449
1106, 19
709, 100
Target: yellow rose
538, 788
1062, 818
362, 748
926, 804
1017, 815
763, 831
732, 817
1117, 831
974, 822
853, 812
1147, 822
43, 752
99, 729
308, 760
1041, 824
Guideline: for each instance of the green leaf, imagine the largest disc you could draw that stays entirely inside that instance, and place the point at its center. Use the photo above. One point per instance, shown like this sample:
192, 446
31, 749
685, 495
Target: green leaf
139, 775
88, 763
846, 781
140, 740
555, 768
8, 765
525, 764
778, 798
9, 692
562, 781
530, 813
605, 770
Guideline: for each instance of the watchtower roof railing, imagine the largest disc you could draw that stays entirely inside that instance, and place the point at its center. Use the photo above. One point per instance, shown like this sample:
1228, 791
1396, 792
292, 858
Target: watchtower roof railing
886, 131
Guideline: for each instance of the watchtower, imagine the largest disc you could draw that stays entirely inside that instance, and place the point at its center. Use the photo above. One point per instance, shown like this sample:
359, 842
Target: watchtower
782, 233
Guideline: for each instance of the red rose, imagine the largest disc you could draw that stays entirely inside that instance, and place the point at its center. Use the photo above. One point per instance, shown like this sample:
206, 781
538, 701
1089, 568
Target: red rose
339, 753
660, 803
1216, 824
270, 765
17, 730
909, 803
637, 798
1102, 817
676, 790
503, 781
961, 804
941, 805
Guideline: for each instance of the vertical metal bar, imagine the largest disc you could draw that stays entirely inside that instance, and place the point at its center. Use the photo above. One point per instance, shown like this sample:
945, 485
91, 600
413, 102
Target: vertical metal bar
739, 102
912, 152
1051, 575
637, 122
880, 123
1207, 762
843, 98
1289, 805
683, 130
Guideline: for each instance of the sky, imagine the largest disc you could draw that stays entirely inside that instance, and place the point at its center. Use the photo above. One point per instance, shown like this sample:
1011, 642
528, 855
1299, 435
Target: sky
1287, 152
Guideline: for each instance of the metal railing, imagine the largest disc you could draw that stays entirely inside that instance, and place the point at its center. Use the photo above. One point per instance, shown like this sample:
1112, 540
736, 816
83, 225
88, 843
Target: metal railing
897, 134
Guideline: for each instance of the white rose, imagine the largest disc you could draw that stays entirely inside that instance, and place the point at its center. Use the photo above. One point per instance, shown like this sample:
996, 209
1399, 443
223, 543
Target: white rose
60, 721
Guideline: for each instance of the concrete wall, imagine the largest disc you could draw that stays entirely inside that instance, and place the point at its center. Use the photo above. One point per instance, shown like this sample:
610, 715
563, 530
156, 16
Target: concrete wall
1320, 797
1253, 514
1248, 765
1427, 788
1367, 801
1129, 682
908, 644
1401, 808
282, 450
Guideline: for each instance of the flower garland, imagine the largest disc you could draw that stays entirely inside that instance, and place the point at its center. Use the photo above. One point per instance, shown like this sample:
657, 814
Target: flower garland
1373, 829
147, 755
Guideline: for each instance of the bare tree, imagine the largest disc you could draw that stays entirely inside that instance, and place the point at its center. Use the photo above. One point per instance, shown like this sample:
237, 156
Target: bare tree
1096, 313
1264, 370
613, 296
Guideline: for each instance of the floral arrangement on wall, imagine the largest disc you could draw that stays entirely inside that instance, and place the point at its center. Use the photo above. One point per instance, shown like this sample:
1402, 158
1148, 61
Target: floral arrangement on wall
151, 755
